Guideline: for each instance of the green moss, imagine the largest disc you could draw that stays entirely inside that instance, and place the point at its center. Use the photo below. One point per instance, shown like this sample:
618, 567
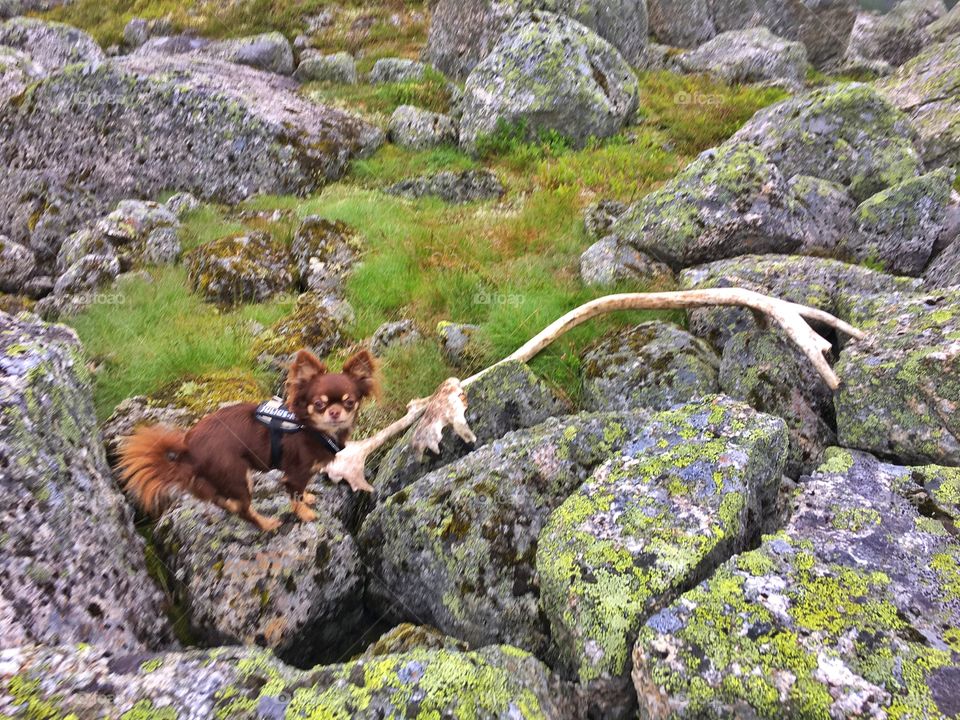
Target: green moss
151, 665
836, 461
145, 710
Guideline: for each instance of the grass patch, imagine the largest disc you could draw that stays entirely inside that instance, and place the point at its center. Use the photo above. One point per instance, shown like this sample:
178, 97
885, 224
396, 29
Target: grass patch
161, 333
379, 101
392, 164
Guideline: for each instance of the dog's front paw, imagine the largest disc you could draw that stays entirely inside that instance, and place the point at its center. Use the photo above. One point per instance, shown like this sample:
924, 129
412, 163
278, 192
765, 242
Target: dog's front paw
309, 499
269, 525
358, 484
303, 512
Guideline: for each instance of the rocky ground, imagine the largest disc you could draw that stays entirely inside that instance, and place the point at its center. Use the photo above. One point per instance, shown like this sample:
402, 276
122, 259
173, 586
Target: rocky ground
665, 515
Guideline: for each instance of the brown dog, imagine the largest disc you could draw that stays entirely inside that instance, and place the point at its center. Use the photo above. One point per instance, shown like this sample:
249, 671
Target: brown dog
214, 460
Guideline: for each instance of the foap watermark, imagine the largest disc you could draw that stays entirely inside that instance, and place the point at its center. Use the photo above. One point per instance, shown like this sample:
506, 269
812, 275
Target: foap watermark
100, 298
497, 298
696, 98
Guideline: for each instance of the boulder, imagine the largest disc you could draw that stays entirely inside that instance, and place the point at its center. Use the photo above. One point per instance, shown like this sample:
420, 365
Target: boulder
396, 70
507, 398
17, 265
172, 45
946, 27
845, 133
270, 52
462, 33
457, 546
549, 74
240, 268
418, 129
297, 591
654, 365
828, 285
896, 36
767, 371
452, 187
88, 273
83, 242
832, 208
318, 323
731, 200
849, 612
139, 410
52, 45
339, 68
599, 217
71, 564
746, 56
251, 684
458, 343
681, 23
232, 132
927, 89
17, 72
610, 262
324, 251
684, 494
900, 396
138, 30
394, 334
141, 232
944, 271
898, 228
182, 204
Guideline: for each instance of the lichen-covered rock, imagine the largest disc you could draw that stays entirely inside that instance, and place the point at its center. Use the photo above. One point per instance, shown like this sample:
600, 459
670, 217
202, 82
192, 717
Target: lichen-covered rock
507, 398
406, 637
136, 411
850, 612
463, 32
52, 45
182, 204
232, 132
548, 73
687, 493
178, 44
927, 89
396, 70
895, 36
752, 55
240, 268
611, 262
944, 271
458, 343
297, 591
317, 323
452, 187
72, 567
900, 226
337, 68
17, 265
141, 231
828, 285
270, 52
394, 334
88, 273
600, 217
831, 208
845, 133
766, 370
946, 27
457, 546
730, 201
83, 242
681, 23
900, 395
654, 365
17, 72
324, 251
418, 129
251, 684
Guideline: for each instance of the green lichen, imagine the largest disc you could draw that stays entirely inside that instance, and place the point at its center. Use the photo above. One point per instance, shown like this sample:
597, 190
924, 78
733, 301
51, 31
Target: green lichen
145, 710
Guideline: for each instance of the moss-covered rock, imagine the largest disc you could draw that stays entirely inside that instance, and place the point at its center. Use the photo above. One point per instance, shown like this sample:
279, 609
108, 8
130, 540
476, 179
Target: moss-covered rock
946, 27
845, 133
766, 370
17, 265
927, 88
456, 548
548, 74
317, 323
54, 45
88, 273
688, 492
463, 32
507, 398
730, 201
944, 271
901, 391
895, 36
324, 251
396, 70
610, 262
270, 52
654, 365
751, 55
240, 268
72, 565
297, 591
451, 186
336, 68
418, 129
899, 227
251, 684
824, 284
831, 206
850, 612
17, 72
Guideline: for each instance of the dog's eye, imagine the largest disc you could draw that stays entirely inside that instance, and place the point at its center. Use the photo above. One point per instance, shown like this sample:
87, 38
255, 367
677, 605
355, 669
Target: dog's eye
320, 406
349, 404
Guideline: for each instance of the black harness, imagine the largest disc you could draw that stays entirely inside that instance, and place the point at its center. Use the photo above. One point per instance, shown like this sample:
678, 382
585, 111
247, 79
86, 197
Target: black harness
280, 422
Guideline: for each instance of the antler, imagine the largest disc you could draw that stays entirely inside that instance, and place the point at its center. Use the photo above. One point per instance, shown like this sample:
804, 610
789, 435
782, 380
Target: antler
447, 406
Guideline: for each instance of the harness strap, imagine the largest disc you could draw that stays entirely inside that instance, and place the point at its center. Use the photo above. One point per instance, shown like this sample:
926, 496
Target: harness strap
276, 443
279, 422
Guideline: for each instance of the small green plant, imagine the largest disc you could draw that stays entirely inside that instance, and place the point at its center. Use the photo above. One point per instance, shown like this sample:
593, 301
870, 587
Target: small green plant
432, 92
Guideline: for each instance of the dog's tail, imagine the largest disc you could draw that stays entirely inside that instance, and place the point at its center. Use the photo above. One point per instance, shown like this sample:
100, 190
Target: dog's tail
154, 462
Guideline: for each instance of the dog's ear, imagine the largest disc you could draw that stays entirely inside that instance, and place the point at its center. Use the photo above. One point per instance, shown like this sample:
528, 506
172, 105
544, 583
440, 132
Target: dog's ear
363, 369
303, 369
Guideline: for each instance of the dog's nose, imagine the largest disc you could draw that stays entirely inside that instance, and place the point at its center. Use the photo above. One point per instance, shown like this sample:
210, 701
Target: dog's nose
334, 414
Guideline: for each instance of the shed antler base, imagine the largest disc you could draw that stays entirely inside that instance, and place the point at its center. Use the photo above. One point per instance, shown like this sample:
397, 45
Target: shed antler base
447, 406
